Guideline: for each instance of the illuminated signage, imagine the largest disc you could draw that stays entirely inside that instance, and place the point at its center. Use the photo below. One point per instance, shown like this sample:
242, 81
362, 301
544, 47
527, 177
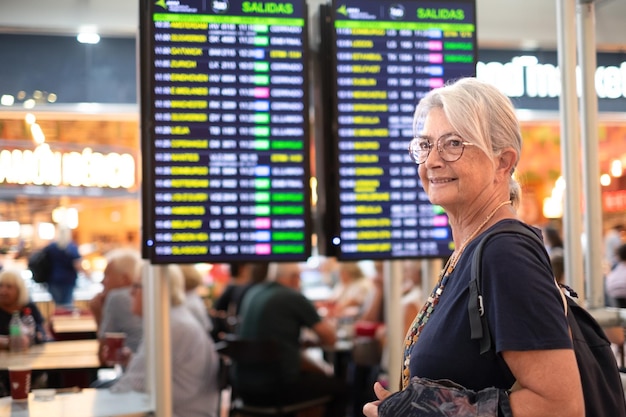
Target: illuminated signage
533, 79
525, 76
386, 55
225, 96
43, 166
614, 201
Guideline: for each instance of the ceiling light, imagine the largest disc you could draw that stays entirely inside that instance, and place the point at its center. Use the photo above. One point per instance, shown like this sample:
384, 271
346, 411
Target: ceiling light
7, 100
616, 168
90, 38
605, 180
10, 229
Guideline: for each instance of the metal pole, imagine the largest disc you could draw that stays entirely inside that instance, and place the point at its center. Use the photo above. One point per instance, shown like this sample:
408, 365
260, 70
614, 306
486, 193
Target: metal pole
591, 168
149, 340
159, 307
392, 273
570, 144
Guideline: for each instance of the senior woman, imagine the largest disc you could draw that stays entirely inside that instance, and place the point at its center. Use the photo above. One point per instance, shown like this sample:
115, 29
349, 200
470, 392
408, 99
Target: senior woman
467, 145
14, 296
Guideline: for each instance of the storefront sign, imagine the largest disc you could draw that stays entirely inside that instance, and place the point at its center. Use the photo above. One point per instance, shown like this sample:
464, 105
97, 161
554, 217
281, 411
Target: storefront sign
88, 168
533, 80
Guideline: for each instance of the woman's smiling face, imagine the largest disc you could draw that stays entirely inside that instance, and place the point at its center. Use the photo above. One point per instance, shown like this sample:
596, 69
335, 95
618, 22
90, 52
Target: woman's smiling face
457, 183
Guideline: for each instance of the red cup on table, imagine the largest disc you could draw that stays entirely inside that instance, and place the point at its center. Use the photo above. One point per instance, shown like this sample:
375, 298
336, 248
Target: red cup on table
114, 343
19, 379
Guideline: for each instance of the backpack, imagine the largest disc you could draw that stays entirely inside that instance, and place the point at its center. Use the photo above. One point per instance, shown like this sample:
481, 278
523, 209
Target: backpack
599, 373
40, 266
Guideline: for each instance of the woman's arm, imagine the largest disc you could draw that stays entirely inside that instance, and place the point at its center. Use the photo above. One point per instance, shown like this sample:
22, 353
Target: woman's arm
548, 383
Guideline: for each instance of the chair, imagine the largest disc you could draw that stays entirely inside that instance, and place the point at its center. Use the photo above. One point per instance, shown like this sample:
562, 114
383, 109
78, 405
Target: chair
250, 353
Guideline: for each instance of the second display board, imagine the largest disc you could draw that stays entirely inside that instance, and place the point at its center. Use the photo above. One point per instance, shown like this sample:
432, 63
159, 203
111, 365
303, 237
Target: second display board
383, 56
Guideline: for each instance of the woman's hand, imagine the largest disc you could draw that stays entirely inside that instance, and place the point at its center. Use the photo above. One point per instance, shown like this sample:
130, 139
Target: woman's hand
371, 409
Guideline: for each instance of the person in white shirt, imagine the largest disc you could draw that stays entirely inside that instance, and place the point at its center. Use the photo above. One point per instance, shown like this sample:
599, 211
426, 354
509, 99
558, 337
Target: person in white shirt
112, 308
351, 292
195, 362
193, 300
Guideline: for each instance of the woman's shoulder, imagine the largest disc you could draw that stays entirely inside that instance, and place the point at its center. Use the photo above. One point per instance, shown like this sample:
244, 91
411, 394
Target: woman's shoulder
509, 250
511, 231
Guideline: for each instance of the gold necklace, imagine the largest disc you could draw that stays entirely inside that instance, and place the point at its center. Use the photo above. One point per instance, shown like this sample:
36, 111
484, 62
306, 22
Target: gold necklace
452, 261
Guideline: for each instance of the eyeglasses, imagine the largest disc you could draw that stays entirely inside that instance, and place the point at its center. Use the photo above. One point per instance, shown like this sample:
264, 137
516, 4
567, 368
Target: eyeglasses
449, 146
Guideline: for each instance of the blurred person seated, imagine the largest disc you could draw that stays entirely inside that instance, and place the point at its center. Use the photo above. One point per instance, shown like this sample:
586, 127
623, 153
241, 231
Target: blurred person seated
114, 303
14, 296
367, 352
225, 311
615, 291
118, 273
374, 305
194, 360
193, 300
277, 310
552, 240
411, 302
350, 293
412, 297
376, 357
613, 239
616, 280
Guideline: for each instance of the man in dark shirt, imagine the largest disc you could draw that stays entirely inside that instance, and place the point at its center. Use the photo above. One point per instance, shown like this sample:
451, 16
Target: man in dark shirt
277, 310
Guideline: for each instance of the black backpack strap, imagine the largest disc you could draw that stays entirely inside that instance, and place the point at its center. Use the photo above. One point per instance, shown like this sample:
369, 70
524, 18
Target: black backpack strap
475, 308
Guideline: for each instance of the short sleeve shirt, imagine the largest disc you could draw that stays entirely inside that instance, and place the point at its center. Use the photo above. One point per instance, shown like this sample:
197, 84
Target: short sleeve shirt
524, 312
273, 311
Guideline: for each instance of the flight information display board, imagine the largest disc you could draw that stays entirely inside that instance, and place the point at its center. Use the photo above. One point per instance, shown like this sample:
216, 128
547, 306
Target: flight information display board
225, 131
386, 55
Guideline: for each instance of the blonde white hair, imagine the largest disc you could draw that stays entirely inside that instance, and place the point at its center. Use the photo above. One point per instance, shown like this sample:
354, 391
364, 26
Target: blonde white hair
14, 277
479, 113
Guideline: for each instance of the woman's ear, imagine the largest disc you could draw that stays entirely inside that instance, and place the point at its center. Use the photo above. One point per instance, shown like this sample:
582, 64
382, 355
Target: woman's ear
507, 161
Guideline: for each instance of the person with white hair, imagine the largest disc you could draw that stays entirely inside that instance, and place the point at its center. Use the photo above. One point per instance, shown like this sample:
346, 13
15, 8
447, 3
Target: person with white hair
14, 297
194, 359
193, 300
112, 308
467, 144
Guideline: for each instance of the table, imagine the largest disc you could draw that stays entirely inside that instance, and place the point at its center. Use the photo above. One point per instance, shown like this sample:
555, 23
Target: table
67, 354
73, 327
86, 403
67, 363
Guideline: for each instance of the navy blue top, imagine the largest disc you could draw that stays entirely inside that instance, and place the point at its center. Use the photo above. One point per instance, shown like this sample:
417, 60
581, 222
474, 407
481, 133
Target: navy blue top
5, 318
63, 271
524, 310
